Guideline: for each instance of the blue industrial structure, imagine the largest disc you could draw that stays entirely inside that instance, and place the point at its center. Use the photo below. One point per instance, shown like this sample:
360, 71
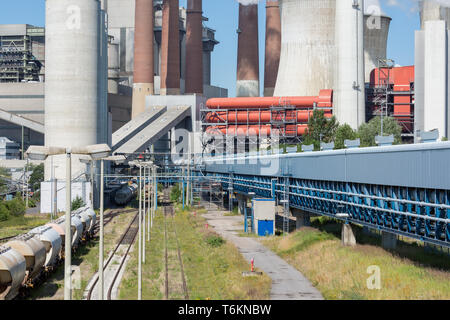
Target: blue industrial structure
402, 189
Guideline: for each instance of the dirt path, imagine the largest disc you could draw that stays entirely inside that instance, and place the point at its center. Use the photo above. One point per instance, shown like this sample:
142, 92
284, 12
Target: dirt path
287, 282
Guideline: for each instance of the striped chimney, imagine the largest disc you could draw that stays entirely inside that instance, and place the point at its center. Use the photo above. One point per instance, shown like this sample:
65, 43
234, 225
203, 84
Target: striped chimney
273, 46
170, 49
248, 56
143, 78
194, 47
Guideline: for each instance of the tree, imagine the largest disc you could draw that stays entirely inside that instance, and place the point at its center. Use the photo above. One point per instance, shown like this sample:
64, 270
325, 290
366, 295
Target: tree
368, 131
320, 129
5, 177
344, 132
16, 206
77, 203
175, 193
4, 212
36, 177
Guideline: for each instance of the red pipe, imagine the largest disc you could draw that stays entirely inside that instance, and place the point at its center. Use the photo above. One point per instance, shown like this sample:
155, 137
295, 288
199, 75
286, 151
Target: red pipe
256, 130
325, 99
260, 116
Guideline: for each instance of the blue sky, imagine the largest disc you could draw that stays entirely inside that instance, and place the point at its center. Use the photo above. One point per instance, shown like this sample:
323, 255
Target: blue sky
223, 15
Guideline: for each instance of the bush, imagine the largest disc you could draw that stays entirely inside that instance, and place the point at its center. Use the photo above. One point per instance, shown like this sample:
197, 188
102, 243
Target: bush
16, 206
4, 212
344, 132
175, 193
214, 241
77, 203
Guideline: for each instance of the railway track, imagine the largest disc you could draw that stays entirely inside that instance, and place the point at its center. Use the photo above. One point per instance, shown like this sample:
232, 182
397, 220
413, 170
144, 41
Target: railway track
115, 263
172, 256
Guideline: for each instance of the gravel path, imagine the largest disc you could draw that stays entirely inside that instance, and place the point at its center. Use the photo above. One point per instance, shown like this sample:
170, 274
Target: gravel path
287, 282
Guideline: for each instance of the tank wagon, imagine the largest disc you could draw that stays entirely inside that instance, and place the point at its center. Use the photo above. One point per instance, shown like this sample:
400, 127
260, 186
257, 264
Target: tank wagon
125, 194
28, 258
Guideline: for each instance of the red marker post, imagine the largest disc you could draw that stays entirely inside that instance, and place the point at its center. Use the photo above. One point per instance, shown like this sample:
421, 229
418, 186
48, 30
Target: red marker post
253, 264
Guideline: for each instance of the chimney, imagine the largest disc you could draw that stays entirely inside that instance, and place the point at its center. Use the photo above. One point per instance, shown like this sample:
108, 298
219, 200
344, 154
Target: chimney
170, 49
248, 56
273, 46
143, 78
194, 47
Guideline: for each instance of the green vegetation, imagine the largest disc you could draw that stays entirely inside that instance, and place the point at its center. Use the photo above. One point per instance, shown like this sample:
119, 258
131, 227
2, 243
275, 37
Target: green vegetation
339, 272
5, 176
16, 206
36, 177
320, 129
344, 132
213, 267
4, 212
16, 225
175, 193
77, 203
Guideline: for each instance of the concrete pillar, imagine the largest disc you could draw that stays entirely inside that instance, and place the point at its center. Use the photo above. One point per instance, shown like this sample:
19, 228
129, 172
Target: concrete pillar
388, 240
242, 203
303, 218
347, 236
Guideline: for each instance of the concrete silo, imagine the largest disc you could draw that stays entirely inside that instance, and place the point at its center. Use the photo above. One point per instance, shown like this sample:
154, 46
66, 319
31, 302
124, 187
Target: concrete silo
307, 59
72, 98
113, 67
349, 96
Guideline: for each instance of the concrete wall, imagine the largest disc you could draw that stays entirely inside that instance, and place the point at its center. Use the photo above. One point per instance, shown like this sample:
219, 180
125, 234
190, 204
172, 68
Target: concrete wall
80, 189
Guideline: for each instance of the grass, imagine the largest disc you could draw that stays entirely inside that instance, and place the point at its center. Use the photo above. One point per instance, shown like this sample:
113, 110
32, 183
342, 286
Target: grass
342, 272
213, 267
16, 225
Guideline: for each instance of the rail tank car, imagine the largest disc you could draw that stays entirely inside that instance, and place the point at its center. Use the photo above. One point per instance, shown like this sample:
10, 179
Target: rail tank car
12, 272
125, 194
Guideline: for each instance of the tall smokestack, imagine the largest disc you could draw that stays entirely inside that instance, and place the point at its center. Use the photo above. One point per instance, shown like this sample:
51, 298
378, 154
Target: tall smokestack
248, 55
273, 46
194, 47
170, 49
143, 82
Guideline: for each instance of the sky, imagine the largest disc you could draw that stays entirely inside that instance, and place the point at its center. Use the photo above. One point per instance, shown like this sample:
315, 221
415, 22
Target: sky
223, 17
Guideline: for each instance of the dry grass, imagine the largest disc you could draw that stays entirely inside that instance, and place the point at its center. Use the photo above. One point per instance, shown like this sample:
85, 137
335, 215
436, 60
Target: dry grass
22, 224
213, 271
341, 272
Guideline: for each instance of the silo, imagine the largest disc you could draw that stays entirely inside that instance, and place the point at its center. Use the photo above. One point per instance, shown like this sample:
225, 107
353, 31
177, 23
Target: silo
349, 101
307, 59
247, 84
273, 46
71, 87
376, 32
433, 10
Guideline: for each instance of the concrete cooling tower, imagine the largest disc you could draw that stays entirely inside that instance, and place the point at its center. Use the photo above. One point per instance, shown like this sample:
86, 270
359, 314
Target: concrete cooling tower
376, 31
307, 60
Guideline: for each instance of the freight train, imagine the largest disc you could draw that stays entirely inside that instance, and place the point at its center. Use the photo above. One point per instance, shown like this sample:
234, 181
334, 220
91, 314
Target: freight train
28, 258
126, 193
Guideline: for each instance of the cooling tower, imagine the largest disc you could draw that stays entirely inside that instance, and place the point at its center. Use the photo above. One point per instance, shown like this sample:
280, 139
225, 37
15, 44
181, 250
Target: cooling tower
433, 10
247, 84
307, 59
376, 31
143, 76
273, 46
170, 49
349, 101
72, 100
194, 47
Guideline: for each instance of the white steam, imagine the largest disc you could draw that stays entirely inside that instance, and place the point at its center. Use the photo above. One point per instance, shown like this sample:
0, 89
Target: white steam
248, 2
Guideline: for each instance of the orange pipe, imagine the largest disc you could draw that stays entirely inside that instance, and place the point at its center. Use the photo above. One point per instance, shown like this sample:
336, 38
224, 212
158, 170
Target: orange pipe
260, 116
255, 130
325, 99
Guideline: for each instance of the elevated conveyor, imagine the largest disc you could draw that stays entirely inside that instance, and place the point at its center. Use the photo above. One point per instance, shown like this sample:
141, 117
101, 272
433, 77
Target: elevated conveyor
402, 189
130, 129
153, 131
21, 121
